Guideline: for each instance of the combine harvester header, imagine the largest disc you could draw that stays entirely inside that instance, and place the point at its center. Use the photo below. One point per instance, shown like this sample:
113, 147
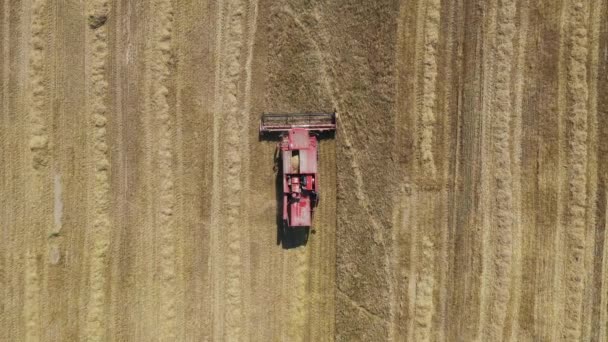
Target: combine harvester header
315, 122
297, 155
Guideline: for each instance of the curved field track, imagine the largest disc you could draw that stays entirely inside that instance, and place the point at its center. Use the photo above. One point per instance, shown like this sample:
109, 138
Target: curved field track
464, 197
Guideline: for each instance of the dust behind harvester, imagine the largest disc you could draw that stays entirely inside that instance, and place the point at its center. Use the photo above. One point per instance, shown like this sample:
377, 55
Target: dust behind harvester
296, 157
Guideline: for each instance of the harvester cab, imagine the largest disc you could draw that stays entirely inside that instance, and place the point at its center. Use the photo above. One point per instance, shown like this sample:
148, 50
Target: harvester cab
296, 160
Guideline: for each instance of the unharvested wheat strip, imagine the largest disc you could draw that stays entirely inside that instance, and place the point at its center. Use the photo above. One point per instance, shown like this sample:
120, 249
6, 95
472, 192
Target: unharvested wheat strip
577, 112
333, 91
327, 77
97, 50
159, 70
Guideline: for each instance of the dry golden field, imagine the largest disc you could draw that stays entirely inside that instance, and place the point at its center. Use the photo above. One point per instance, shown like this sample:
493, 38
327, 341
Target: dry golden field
464, 197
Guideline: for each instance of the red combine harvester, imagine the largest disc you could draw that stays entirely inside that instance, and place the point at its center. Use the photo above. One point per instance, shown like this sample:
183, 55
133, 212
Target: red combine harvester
296, 158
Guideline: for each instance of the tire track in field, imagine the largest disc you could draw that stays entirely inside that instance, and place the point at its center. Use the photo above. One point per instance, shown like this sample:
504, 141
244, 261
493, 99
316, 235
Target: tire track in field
577, 94
99, 238
230, 120
501, 237
159, 73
